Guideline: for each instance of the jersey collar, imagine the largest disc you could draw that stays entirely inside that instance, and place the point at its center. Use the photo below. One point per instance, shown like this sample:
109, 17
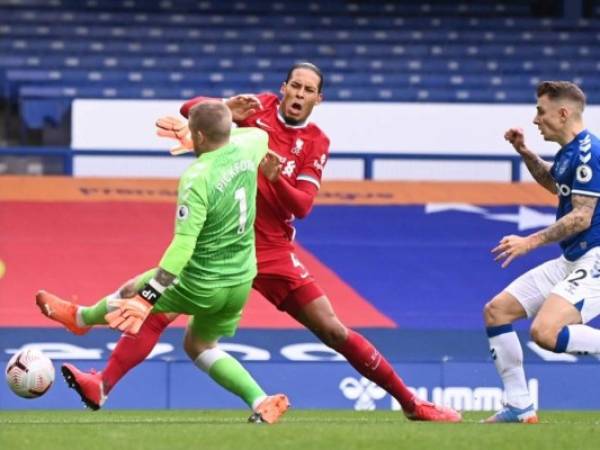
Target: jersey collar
295, 127
215, 153
578, 137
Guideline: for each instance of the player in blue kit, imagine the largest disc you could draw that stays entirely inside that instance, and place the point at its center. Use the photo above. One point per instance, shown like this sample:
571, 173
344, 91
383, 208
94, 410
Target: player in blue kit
562, 294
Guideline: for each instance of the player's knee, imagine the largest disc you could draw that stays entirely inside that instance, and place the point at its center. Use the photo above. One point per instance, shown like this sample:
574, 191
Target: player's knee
190, 346
194, 346
493, 313
190, 349
543, 335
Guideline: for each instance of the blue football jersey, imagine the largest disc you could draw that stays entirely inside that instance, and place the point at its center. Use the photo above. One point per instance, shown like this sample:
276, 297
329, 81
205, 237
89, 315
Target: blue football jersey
576, 170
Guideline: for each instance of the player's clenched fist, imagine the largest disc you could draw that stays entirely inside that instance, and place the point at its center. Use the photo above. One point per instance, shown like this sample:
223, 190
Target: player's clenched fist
516, 137
270, 165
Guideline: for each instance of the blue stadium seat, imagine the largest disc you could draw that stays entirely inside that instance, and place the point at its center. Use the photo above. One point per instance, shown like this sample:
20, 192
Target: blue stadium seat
476, 51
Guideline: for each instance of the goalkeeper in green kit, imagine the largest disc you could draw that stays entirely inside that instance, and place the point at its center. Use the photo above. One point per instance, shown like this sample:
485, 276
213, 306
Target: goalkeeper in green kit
207, 270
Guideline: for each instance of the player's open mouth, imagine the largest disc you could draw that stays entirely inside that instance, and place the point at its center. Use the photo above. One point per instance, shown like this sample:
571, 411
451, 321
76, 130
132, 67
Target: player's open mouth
296, 107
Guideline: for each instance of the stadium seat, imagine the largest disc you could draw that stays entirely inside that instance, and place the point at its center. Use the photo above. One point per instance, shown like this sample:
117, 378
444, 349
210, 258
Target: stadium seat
475, 51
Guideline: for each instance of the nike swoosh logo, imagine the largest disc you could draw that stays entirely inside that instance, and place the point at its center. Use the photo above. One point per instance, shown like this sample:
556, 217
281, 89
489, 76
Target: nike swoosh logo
262, 124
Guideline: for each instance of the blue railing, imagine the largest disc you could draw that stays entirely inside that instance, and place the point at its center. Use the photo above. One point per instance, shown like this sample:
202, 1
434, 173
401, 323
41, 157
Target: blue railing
368, 159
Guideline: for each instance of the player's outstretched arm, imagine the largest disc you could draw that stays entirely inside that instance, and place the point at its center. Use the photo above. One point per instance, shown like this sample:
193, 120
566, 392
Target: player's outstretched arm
241, 106
175, 128
539, 169
578, 220
131, 312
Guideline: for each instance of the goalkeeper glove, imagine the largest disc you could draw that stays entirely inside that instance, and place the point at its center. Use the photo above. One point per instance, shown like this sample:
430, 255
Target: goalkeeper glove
172, 127
130, 314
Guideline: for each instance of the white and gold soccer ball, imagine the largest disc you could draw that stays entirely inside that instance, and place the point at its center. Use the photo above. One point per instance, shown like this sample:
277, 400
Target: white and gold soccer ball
29, 373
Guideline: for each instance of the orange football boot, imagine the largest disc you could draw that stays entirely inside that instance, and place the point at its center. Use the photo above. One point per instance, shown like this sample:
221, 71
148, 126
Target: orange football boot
430, 412
61, 311
270, 409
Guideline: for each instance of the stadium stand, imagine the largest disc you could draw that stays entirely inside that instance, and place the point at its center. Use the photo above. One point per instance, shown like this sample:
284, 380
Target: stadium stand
442, 51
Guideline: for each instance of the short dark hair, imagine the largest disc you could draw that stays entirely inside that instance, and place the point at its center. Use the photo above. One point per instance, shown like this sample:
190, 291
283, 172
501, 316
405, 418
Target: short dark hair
561, 90
309, 66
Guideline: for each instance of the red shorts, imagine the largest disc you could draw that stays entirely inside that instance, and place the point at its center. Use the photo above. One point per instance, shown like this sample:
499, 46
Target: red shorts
286, 283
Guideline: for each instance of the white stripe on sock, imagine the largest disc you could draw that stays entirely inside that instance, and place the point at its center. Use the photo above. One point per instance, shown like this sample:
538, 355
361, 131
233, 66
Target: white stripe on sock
207, 358
583, 339
79, 317
257, 402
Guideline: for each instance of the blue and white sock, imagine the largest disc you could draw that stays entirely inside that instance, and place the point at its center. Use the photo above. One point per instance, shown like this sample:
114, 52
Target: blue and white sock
578, 339
507, 353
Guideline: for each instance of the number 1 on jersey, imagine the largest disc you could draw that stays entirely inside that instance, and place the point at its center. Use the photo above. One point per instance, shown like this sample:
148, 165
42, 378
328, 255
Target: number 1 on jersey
240, 196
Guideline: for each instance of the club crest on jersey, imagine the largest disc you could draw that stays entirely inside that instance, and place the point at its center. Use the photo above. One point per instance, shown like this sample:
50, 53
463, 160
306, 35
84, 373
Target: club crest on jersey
183, 212
584, 173
298, 146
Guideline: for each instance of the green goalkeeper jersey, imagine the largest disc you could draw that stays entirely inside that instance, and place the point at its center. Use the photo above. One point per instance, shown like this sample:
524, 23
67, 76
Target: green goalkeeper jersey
217, 204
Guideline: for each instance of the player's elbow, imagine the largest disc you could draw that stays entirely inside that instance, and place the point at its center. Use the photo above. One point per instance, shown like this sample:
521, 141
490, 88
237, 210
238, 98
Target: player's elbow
302, 211
586, 223
185, 109
584, 220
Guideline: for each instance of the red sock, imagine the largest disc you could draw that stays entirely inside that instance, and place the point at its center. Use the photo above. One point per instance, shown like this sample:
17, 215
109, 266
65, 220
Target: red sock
133, 349
365, 358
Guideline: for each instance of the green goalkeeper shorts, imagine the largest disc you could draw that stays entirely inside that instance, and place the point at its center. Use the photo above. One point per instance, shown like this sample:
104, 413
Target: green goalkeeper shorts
214, 312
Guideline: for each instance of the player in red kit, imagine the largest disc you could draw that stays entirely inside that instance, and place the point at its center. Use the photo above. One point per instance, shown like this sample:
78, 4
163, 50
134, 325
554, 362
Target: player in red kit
287, 187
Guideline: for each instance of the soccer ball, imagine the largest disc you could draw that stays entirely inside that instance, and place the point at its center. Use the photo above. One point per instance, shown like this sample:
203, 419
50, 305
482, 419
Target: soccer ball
29, 373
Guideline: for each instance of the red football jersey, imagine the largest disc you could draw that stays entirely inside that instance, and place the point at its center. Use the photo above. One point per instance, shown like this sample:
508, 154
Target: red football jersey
304, 150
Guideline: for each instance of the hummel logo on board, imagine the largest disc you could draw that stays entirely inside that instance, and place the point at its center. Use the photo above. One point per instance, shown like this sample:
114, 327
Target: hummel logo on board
364, 391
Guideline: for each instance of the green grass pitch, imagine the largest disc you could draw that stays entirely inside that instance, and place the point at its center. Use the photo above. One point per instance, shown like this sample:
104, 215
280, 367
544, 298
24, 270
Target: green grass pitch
331, 430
